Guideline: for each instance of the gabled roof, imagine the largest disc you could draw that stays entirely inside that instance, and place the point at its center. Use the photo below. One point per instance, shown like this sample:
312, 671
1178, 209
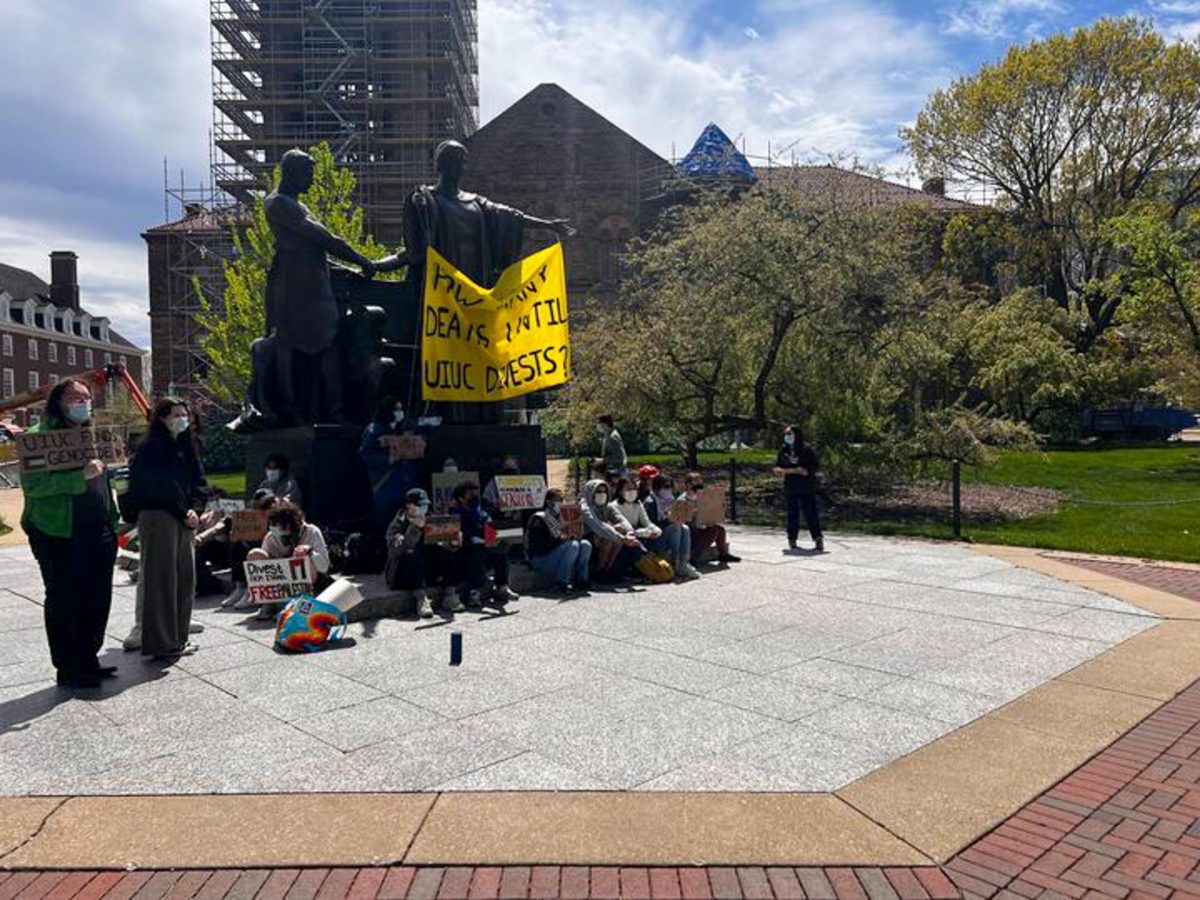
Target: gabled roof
205, 221
820, 182
20, 284
714, 155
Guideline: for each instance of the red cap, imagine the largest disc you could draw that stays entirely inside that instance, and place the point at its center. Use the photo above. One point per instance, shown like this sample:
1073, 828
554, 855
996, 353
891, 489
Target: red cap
648, 471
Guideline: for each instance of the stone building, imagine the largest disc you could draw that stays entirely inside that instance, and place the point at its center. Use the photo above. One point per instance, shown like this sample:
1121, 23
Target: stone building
45, 334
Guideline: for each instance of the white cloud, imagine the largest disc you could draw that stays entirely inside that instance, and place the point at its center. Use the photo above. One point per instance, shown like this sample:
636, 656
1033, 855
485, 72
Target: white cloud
822, 74
996, 18
751, 33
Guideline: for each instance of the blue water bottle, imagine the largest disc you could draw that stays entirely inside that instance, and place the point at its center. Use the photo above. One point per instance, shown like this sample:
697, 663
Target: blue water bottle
456, 648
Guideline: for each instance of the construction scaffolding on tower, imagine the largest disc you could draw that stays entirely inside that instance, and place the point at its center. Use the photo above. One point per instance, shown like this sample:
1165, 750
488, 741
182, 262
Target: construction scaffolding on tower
382, 81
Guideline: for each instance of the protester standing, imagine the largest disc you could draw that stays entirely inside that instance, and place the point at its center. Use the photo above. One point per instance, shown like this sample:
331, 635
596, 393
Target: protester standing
612, 448
70, 517
166, 488
797, 463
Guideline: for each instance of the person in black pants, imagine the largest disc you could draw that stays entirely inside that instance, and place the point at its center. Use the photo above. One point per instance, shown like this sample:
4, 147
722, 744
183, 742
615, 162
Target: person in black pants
797, 462
70, 517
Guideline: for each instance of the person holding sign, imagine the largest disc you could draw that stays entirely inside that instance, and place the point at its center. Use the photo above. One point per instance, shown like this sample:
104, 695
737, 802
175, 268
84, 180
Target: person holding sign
555, 548
797, 464
391, 480
71, 516
166, 490
705, 534
409, 566
263, 501
478, 548
617, 548
288, 537
676, 540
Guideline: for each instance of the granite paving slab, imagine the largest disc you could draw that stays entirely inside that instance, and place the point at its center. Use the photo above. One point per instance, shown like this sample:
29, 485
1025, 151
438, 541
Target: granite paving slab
786, 672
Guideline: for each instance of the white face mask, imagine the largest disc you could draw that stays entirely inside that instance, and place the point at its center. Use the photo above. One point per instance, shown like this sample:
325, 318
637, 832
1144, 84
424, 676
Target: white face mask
278, 531
789, 439
450, 467
79, 412
665, 494
556, 506
273, 475
398, 416
602, 431
179, 425
630, 496
601, 498
422, 509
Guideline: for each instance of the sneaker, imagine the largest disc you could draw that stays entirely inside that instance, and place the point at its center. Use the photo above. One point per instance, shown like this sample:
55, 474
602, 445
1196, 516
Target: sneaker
820, 545
244, 603
688, 571
474, 599
424, 607
235, 597
265, 613
134, 640
504, 594
195, 628
451, 602
728, 558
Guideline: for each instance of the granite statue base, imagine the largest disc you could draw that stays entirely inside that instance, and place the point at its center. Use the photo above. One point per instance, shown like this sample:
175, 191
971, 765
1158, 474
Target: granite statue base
324, 461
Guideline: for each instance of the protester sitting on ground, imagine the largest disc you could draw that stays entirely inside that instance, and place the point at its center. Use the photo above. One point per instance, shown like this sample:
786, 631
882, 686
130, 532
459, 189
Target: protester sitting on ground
797, 462
71, 518
551, 550
616, 547
288, 536
676, 541
408, 562
238, 598
166, 490
279, 480
646, 476
612, 448
704, 537
479, 553
212, 547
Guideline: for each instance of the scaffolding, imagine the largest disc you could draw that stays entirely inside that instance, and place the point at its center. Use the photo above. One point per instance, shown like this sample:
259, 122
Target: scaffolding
383, 81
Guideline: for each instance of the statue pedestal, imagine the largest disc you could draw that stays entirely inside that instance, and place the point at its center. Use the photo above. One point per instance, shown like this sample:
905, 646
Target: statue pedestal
324, 460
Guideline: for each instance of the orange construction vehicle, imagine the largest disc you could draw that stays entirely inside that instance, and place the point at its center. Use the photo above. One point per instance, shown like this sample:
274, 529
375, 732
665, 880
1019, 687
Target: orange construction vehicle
96, 378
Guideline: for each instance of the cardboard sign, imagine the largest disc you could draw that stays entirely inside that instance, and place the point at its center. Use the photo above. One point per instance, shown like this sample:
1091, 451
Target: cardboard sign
442, 485
226, 506
681, 512
711, 508
403, 447
69, 448
248, 525
519, 492
572, 520
279, 580
8, 452
446, 531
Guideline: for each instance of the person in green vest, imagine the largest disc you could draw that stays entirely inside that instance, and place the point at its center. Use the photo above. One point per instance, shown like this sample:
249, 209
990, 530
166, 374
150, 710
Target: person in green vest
71, 517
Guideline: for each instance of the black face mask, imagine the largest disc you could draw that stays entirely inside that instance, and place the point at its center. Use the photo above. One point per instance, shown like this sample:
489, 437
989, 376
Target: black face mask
697, 487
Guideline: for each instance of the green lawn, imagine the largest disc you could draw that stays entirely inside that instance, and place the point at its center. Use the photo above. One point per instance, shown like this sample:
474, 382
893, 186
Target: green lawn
233, 483
1132, 501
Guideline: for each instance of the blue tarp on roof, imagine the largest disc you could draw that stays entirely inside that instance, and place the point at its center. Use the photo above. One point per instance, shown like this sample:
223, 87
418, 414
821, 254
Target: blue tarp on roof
715, 155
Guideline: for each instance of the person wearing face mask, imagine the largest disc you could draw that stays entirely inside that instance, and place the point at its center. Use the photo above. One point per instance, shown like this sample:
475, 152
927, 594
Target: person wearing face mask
390, 481
552, 551
617, 549
612, 448
676, 541
166, 488
288, 536
797, 464
705, 536
239, 598
480, 558
279, 480
71, 517
410, 564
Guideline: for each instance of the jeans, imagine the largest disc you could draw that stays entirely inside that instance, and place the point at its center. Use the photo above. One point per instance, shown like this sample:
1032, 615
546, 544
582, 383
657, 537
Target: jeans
806, 503
568, 561
675, 544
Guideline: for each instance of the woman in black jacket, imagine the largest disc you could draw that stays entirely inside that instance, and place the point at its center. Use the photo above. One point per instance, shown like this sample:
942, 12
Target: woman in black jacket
797, 463
166, 488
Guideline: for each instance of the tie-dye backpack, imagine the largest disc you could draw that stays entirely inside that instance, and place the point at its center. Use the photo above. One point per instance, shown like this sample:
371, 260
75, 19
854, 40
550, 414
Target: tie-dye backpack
306, 625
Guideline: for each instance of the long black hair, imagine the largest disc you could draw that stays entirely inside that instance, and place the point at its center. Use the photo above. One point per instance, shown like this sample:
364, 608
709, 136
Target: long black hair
158, 428
54, 403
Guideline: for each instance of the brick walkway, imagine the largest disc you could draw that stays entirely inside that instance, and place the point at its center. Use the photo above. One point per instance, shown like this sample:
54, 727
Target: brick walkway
1171, 579
1125, 824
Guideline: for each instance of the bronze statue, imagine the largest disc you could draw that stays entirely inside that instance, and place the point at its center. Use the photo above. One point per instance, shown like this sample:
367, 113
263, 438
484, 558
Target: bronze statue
297, 371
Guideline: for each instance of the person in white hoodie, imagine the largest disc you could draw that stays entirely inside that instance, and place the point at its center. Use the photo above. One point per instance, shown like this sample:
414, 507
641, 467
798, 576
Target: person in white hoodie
617, 547
652, 536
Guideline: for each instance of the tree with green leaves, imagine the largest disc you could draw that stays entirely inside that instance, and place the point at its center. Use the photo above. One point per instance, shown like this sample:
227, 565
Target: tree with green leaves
239, 317
1074, 130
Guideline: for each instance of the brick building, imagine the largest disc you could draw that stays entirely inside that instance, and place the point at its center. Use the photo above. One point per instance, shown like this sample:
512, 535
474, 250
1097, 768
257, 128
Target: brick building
46, 335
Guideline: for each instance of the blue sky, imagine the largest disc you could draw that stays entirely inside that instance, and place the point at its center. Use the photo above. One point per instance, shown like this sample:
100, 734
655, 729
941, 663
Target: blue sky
97, 92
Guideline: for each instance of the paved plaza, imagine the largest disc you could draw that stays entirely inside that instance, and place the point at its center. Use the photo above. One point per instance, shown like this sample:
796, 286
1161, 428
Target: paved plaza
785, 673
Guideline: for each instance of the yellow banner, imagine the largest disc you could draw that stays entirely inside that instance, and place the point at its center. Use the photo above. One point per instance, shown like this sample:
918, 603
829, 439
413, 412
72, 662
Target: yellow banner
482, 345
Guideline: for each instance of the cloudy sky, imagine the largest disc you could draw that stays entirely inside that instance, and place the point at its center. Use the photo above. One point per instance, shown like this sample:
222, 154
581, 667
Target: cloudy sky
96, 93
